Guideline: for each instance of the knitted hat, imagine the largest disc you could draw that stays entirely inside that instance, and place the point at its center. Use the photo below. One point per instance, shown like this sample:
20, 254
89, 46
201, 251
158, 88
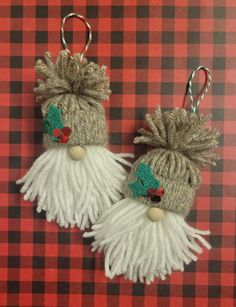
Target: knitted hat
70, 94
168, 176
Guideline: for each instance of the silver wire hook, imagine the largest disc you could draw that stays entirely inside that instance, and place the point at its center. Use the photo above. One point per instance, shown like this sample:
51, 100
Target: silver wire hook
195, 105
64, 43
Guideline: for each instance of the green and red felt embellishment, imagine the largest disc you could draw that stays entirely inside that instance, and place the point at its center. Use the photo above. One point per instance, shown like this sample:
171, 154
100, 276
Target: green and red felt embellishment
146, 185
54, 126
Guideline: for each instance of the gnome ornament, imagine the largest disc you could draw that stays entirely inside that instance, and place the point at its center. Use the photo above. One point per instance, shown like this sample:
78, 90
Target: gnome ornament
145, 235
76, 178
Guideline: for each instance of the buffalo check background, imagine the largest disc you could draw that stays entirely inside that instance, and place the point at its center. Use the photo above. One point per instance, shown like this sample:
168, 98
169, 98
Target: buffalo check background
150, 48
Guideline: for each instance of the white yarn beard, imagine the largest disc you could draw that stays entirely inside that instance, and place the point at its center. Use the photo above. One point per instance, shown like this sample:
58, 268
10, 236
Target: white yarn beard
74, 193
141, 249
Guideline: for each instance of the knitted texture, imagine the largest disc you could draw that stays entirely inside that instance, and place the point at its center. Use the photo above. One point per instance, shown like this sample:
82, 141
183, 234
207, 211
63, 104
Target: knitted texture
76, 88
183, 143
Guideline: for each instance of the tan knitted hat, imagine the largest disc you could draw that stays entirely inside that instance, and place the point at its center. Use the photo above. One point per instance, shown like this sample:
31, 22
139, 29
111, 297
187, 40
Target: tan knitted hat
71, 92
168, 176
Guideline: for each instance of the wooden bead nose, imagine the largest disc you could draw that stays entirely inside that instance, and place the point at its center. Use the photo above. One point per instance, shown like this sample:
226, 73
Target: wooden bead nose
155, 214
76, 153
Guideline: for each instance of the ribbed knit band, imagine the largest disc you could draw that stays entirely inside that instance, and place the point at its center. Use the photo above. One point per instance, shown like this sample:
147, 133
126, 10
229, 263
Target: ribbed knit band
178, 176
178, 195
87, 123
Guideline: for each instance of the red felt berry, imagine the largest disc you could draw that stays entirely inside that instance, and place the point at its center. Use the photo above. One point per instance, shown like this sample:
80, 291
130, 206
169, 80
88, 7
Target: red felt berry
56, 132
66, 131
64, 139
155, 192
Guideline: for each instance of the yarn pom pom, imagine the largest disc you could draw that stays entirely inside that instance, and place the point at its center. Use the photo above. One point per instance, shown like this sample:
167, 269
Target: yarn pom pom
183, 132
71, 76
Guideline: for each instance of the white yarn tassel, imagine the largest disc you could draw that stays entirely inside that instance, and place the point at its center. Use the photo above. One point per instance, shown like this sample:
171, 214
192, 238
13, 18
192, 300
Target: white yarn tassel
74, 193
141, 249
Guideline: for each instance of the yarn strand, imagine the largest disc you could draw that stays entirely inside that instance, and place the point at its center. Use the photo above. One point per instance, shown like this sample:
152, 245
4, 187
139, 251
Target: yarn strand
140, 249
74, 193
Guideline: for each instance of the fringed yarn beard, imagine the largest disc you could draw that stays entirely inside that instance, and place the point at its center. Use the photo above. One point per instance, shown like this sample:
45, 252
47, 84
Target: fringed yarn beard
141, 249
75, 193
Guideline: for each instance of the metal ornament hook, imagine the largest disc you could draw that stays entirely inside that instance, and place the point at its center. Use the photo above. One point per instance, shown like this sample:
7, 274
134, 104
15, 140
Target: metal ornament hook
84, 50
195, 104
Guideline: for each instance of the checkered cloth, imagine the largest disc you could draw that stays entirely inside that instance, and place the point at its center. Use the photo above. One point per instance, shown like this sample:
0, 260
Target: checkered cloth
150, 48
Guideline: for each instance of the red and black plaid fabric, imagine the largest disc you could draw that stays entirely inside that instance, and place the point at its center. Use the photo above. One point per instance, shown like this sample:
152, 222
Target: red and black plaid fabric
150, 48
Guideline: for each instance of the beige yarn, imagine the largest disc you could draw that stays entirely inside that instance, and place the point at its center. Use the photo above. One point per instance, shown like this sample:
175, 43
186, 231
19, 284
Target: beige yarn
77, 89
183, 143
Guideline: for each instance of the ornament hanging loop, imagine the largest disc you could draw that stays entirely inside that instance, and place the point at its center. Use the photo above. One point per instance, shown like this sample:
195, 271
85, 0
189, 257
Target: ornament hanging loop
194, 103
64, 43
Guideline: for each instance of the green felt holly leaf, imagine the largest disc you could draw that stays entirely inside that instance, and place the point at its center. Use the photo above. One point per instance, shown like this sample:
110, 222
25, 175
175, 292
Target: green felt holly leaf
52, 120
145, 181
137, 188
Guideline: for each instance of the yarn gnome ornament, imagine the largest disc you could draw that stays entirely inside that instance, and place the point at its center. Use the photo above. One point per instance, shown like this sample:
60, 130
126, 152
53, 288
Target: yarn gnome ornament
145, 235
76, 178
